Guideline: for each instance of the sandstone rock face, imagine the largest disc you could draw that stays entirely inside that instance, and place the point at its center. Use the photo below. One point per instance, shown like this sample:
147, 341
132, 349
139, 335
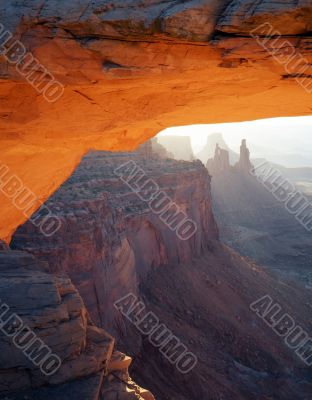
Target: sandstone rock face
111, 244
110, 239
131, 69
287, 17
50, 309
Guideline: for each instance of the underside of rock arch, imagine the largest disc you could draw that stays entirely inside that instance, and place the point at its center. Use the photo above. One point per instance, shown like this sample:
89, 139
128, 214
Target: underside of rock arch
131, 69
80, 76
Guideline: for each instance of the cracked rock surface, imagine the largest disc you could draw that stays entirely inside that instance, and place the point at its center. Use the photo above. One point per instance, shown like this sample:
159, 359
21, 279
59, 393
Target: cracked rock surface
132, 68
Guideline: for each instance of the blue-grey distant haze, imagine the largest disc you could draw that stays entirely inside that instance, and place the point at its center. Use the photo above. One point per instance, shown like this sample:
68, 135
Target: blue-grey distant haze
285, 141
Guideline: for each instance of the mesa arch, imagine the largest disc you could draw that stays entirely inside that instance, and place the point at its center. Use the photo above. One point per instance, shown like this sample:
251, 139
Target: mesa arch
130, 72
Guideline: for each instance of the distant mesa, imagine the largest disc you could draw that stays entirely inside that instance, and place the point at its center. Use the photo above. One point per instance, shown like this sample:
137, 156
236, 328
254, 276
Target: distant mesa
179, 146
153, 149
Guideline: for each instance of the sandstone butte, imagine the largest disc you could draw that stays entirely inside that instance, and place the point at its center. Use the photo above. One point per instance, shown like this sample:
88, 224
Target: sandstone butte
131, 69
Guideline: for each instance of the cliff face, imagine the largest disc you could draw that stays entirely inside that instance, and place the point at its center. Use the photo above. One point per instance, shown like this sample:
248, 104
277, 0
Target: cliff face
111, 244
132, 69
49, 347
110, 239
288, 17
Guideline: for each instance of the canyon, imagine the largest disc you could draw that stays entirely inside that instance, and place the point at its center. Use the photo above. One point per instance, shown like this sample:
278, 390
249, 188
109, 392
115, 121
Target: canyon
253, 222
111, 244
129, 70
110, 239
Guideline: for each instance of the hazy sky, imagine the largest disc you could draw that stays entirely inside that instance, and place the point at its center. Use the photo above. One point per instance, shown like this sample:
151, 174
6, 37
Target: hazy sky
282, 140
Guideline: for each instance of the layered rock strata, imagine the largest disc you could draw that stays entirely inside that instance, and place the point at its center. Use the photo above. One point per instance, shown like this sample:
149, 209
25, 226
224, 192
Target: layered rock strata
56, 351
111, 245
110, 238
132, 69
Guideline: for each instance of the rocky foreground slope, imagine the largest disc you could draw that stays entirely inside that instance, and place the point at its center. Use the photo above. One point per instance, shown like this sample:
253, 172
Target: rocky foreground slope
49, 347
132, 68
111, 244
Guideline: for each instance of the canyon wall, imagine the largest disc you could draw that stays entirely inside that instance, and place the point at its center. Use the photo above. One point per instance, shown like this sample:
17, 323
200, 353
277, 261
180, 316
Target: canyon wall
111, 243
110, 239
131, 69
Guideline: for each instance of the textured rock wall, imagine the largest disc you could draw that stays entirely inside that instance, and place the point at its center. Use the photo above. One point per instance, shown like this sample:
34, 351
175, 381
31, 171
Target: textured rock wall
111, 244
51, 308
110, 239
132, 69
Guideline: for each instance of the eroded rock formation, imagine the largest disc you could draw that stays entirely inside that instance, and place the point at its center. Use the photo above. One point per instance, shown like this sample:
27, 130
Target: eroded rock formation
220, 162
110, 238
208, 150
111, 244
244, 165
132, 69
255, 222
51, 310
